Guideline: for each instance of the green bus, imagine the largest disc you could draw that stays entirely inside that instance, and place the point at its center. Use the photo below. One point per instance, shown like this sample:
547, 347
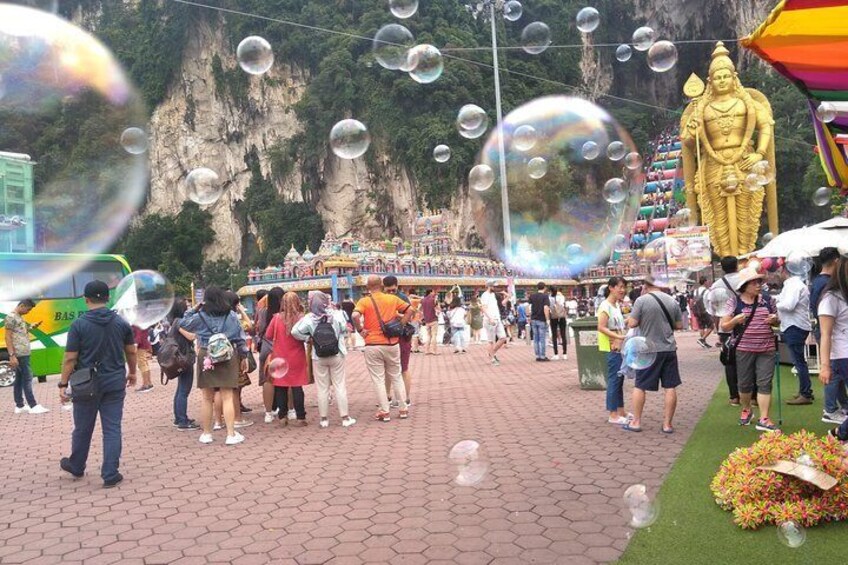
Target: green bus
56, 306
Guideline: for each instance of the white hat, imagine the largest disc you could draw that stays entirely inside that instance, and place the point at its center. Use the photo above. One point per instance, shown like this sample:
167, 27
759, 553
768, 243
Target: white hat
747, 275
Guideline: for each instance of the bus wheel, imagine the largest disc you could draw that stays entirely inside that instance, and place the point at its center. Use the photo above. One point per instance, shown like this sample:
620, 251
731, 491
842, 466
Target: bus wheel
7, 374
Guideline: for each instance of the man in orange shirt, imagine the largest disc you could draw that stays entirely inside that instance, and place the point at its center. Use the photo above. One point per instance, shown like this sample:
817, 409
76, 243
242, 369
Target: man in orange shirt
382, 356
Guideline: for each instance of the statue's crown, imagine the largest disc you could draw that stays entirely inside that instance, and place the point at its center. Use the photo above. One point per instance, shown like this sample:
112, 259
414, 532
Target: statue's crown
721, 59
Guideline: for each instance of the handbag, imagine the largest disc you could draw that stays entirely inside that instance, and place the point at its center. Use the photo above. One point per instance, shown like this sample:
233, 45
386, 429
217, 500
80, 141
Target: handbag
392, 328
727, 356
83, 382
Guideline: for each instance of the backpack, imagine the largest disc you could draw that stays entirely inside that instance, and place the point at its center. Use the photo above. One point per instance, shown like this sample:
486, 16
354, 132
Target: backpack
324, 339
699, 307
172, 358
557, 309
219, 349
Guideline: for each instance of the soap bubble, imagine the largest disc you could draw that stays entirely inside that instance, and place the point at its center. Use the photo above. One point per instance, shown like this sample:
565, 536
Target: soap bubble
472, 121
731, 182
66, 101
615, 190
643, 511
588, 19
623, 53
469, 460
278, 368
620, 243
821, 197
567, 205
752, 182
425, 63
798, 263
513, 10
643, 38
255, 55
805, 459
476, 132
662, 56
481, 178
134, 141
766, 239
670, 259
590, 150
537, 167
403, 8
51, 6
535, 38
764, 170
637, 353
633, 161
791, 534
826, 112
203, 186
349, 139
524, 138
390, 46
143, 298
442, 153
720, 302
616, 151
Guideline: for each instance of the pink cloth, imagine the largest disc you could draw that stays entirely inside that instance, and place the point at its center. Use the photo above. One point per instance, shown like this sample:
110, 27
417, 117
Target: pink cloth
288, 348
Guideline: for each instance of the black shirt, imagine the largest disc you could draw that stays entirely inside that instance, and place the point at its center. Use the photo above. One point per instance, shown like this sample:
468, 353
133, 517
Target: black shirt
538, 301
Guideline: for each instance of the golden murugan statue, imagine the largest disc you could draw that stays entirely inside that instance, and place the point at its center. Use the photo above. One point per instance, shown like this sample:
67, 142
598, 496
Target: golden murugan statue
726, 131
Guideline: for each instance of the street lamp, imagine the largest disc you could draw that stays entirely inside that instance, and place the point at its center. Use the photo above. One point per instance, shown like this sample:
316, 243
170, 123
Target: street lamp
489, 9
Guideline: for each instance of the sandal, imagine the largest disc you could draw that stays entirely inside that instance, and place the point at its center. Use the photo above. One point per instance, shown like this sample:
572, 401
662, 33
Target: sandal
667, 430
629, 428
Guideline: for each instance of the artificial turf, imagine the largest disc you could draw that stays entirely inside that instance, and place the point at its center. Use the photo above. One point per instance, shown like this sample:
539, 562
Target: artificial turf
691, 527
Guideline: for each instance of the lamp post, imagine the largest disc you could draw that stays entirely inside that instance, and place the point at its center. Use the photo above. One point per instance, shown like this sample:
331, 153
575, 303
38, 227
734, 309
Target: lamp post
489, 9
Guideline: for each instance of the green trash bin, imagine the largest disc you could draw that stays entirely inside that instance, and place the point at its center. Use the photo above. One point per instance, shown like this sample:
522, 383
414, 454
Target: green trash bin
591, 363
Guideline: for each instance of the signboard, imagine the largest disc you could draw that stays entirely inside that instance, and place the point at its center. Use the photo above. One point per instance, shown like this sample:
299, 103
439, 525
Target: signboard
688, 249
589, 338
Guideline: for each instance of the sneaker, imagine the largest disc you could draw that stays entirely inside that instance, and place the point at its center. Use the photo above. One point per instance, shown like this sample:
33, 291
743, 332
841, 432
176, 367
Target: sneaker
746, 417
349, 422
217, 426
22, 410
766, 425
564, 357
39, 409
234, 439
619, 421
404, 414
735, 402
394, 404
245, 410
291, 415
799, 400
188, 426
115, 481
324, 424
269, 417
242, 424
495, 361
206, 438
65, 465
144, 388
382, 417
544, 359
833, 417
277, 411
834, 432
556, 357
703, 343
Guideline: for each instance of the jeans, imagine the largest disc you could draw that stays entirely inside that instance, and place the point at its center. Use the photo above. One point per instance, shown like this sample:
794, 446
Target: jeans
281, 394
834, 392
184, 382
795, 338
110, 405
23, 383
522, 328
615, 382
561, 325
540, 337
459, 339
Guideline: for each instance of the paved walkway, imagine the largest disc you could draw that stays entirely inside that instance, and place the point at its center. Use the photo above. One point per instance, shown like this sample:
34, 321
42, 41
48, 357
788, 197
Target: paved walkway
373, 493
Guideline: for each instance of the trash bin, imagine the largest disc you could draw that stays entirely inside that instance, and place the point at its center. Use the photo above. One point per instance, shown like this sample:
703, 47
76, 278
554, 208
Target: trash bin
591, 363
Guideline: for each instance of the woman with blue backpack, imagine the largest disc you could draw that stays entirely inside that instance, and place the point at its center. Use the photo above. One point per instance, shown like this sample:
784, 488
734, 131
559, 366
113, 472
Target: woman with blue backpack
326, 328
223, 355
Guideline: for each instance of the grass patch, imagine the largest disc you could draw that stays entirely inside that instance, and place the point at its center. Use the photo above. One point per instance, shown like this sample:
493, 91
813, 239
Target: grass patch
693, 529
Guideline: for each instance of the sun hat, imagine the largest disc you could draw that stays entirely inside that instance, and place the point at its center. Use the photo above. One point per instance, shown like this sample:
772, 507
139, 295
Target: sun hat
747, 275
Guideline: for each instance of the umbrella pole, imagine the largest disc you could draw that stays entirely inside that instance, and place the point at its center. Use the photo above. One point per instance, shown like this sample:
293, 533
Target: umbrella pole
777, 386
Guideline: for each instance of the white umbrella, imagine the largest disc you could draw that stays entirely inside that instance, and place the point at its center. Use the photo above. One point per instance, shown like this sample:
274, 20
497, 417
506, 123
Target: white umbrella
809, 240
837, 223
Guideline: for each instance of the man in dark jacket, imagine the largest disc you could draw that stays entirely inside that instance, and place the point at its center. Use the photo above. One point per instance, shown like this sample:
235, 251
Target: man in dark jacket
99, 338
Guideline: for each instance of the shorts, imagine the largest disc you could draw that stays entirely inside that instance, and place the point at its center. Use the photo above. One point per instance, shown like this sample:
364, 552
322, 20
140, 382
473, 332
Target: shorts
664, 370
754, 367
405, 345
143, 359
495, 331
705, 321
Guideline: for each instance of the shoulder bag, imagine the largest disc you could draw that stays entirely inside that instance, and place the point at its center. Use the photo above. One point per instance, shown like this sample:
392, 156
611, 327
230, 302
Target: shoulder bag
392, 328
727, 356
664, 309
83, 382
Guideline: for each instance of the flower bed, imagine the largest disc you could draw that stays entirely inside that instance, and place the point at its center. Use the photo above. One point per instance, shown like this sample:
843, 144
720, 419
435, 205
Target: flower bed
758, 497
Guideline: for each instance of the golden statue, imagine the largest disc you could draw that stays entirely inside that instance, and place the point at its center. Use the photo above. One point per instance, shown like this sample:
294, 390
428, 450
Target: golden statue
727, 131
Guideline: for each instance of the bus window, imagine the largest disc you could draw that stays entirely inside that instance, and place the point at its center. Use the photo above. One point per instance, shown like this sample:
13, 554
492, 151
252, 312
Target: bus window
63, 288
109, 272
21, 273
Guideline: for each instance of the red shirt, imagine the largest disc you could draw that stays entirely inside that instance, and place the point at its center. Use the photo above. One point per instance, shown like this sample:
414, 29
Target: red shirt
142, 339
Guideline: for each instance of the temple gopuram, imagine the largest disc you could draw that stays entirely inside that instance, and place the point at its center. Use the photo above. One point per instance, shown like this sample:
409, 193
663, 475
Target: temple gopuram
429, 259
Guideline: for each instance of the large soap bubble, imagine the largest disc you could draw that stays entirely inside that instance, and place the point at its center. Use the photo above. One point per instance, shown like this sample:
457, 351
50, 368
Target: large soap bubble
513, 10
349, 139
623, 53
567, 206
643, 511
469, 461
255, 55
481, 178
799, 263
472, 121
390, 46
821, 197
791, 534
662, 56
425, 63
720, 302
442, 153
66, 102
203, 186
403, 9
134, 141
588, 19
536, 37
643, 38
826, 112
537, 167
144, 298
638, 353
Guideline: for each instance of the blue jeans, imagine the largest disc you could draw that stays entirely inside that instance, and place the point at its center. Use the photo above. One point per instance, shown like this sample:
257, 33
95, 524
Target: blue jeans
615, 382
540, 337
795, 338
184, 382
110, 405
834, 392
23, 383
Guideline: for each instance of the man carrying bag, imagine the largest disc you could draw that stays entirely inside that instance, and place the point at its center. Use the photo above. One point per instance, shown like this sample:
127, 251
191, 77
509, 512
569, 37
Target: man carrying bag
98, 344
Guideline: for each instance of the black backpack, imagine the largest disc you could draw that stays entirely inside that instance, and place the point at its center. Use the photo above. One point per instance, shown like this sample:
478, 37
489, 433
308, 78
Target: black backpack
324, 338
173, 357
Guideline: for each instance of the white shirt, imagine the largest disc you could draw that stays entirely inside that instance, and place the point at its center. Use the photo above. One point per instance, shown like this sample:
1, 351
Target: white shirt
572, 307
793, 305
833, 304
457, 317
489, 306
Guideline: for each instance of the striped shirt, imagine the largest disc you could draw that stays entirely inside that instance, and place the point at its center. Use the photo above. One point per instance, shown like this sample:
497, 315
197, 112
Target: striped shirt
758, 337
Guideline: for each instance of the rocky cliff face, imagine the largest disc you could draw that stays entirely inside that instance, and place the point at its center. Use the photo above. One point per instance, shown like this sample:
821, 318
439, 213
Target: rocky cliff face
197, 126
